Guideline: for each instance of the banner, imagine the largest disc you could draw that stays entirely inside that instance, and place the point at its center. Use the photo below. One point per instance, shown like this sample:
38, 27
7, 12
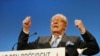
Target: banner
36, 52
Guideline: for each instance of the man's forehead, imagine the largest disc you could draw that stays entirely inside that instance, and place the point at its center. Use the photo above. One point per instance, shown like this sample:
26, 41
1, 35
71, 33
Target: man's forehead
60, 17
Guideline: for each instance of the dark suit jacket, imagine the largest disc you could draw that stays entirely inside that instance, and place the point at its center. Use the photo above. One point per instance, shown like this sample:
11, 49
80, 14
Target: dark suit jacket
71, 48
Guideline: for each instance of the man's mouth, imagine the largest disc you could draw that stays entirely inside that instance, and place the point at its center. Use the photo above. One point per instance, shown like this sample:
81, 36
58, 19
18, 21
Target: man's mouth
55, 26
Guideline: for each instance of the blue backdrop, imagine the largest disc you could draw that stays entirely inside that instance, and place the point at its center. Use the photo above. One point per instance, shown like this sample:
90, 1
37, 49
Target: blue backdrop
12, 13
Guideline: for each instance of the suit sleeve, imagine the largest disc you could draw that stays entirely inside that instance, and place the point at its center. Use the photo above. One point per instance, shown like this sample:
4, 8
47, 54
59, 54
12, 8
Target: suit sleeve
23, 42
90, 43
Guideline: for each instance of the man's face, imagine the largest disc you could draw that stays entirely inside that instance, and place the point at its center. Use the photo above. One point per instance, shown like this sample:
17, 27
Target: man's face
58, 25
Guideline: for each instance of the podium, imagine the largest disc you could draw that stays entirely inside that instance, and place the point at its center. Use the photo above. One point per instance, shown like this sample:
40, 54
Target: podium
36, 52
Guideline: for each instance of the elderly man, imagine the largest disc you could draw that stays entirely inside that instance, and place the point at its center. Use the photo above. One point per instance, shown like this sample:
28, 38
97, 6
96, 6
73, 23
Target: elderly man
58, 37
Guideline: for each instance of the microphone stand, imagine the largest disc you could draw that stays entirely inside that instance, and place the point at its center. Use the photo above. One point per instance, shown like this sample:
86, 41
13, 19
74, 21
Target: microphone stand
35, 33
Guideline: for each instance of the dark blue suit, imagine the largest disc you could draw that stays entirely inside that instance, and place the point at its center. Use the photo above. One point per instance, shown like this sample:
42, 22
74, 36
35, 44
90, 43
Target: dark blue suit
71, 43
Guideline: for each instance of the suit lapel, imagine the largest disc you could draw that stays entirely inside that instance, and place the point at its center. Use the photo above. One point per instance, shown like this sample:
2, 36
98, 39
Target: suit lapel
48, 43
63, 41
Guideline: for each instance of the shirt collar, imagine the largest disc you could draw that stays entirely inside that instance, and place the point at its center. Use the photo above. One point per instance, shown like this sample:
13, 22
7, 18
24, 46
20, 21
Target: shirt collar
60, 36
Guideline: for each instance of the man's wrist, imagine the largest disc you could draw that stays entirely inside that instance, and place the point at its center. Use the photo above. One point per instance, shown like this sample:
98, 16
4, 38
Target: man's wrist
26, 32
83, 31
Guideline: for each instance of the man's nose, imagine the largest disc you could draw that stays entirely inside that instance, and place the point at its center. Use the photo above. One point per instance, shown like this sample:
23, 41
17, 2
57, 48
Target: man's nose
55, 22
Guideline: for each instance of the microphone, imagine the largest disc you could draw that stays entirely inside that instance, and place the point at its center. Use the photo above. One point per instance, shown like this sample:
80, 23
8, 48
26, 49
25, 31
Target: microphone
35, 33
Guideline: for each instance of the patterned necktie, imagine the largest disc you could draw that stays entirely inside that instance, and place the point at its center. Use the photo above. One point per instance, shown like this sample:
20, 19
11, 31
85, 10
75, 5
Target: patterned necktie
55, 43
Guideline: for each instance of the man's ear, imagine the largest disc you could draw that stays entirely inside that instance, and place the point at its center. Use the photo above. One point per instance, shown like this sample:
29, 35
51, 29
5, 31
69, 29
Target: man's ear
65, 26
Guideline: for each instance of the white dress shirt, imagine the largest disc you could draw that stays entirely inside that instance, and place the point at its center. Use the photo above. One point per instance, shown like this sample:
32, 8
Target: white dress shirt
53, 39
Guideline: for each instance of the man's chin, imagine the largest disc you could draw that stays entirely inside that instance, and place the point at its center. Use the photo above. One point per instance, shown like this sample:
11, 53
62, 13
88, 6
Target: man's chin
55, 31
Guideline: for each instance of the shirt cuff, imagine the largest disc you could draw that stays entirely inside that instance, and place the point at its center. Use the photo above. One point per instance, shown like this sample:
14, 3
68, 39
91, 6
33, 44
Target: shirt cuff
26, 32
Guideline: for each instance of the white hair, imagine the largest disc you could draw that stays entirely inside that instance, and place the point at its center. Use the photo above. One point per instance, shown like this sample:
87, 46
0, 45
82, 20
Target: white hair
62, 16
